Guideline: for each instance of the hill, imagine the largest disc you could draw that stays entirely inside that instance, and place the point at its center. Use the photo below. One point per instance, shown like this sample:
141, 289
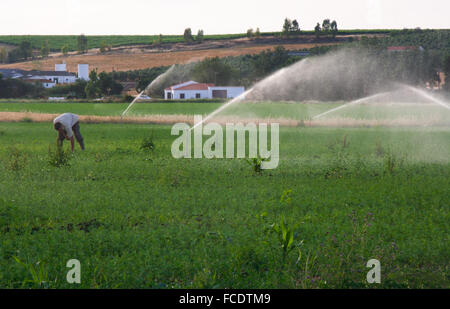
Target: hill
135, 57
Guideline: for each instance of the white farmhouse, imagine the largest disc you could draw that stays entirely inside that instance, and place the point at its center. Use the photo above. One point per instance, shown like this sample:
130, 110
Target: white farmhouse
51, 78
195, 90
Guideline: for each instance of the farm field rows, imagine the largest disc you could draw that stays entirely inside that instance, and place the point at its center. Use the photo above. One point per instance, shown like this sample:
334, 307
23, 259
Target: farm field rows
57, 41
141, 219
136, 59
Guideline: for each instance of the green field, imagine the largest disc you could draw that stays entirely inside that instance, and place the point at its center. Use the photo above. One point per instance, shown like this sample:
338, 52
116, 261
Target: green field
297, 111
95, 41
141, 219
111, 109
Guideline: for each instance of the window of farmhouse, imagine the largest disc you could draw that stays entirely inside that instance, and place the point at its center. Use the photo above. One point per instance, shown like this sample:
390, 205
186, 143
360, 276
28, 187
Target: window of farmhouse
197, 95
181, 95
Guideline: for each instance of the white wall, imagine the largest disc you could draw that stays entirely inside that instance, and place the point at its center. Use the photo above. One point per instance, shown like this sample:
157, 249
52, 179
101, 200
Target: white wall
49, 85
190, 94
83, 71
60, 79
232, 92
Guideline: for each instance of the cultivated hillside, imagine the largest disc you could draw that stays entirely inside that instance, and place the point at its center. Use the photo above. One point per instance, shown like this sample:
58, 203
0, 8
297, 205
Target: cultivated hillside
135, 57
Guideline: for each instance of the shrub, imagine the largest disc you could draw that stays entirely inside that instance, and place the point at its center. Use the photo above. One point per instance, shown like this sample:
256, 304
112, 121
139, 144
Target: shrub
256, 164
147, 143
392, 162
17, 160
57, 157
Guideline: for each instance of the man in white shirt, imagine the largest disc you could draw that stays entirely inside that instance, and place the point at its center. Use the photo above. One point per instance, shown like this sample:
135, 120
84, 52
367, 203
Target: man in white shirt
67, 125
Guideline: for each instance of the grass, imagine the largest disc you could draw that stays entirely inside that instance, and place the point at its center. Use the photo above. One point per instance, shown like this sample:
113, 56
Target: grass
288, 110
111, 109
141, 219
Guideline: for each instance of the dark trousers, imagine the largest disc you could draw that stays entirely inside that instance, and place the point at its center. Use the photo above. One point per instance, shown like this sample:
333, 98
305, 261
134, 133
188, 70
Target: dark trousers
76, 132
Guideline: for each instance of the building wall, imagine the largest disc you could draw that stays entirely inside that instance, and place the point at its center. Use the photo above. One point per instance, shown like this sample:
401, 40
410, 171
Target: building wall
83, 71
60, 79
190, 94
232, 92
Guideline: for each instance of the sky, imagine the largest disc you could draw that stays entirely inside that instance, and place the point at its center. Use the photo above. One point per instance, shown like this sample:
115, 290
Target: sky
147, 17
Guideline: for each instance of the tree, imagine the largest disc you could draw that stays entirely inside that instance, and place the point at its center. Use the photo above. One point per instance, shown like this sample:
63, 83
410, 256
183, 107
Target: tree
326, 26
295, 26
160, 39
3, 55
65, 50
107, 85
257, 33
188, 35
102, 47
334, 28
213, 70
45, 50
82, 44
250, 33
269, 61
200, 36
317, 30
287, 26
26, 50
92, 88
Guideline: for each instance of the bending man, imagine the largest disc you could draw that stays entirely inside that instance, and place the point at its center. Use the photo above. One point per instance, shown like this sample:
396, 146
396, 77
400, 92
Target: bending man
67, 125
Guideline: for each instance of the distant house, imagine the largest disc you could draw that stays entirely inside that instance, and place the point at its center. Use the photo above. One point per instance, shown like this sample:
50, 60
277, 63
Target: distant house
46, 83
48, 79
195, 90
12, 73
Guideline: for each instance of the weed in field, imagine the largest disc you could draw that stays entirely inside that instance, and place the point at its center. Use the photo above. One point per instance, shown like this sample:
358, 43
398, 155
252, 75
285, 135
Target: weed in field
39, 274
285, 236
256, 164
57, 157
392, 162
286, 197
17, 160
339, 166
339, 144
345, 142
206, 279
379, 149
147, 143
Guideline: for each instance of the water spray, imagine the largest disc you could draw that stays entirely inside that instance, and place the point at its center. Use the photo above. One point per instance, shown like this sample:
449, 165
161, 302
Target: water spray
156, 80
358, 101
429, 97
132, 102
226, 105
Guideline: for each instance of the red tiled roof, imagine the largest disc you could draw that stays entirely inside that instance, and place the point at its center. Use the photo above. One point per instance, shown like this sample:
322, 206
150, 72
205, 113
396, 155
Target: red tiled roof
196, 86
